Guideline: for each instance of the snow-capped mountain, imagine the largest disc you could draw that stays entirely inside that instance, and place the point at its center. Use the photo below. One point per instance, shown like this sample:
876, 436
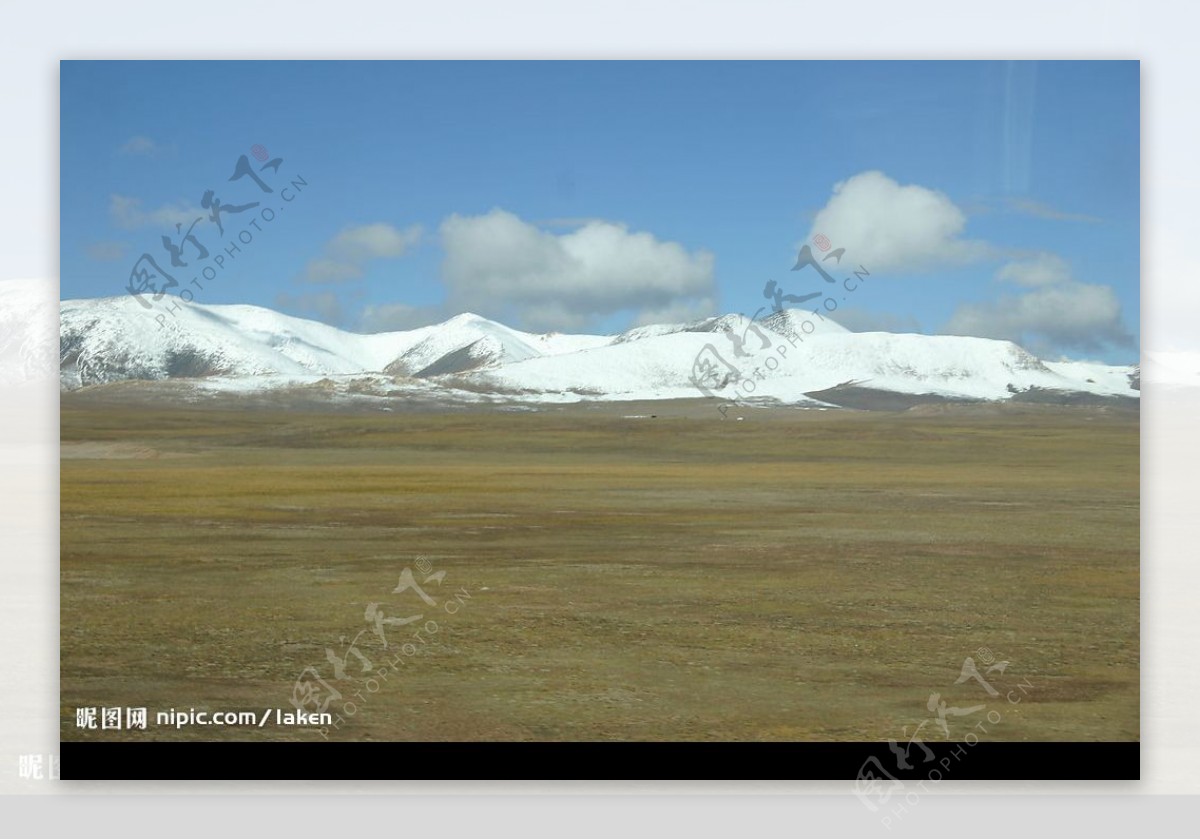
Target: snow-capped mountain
784, 358
107, 340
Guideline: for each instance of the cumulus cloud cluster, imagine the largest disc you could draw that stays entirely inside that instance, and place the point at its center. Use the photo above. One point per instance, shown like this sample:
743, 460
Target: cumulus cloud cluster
894, 227
567, 274
499, 263
897, 228
1043, 269
1057, 311
346, 255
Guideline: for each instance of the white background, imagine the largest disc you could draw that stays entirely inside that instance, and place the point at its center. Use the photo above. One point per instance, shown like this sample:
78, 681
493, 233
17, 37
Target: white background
1161, 34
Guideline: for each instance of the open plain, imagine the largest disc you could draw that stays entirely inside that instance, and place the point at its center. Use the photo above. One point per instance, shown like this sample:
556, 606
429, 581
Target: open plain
795, 575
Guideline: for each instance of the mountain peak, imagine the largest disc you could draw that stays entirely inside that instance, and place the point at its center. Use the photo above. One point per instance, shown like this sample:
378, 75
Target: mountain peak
468, 318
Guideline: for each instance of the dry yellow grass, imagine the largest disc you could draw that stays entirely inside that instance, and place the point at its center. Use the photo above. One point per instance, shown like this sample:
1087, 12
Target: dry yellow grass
796, 576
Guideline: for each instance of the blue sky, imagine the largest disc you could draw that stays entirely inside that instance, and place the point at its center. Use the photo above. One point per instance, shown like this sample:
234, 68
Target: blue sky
987, 198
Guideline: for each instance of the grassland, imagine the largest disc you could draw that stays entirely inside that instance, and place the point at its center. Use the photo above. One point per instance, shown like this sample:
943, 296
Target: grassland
793, 576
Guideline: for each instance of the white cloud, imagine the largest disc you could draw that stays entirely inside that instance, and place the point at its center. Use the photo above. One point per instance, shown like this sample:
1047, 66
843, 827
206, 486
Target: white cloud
139, 145
500, 264
1058, 312
551, 316
347, 253
1043, 269
126, 212
374, 241
568, 221
889, 227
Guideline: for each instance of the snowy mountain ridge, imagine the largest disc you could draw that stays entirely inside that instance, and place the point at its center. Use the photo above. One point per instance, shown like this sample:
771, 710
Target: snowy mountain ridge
779, 359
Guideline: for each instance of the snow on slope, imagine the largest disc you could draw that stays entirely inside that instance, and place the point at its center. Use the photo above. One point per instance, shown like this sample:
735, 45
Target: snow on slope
660, 366
782, 357
796, 323
1113, 378
790, 322
493, 343
110, 339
